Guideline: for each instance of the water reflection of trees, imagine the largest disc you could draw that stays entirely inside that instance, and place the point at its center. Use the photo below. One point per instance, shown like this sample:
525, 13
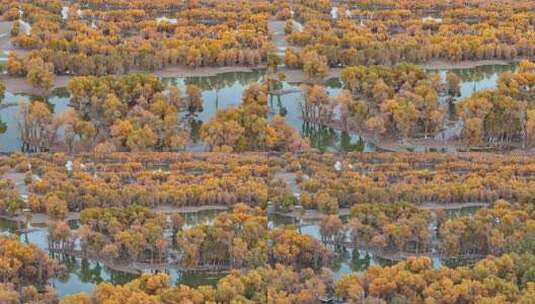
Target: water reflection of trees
283, 111
220, 81
358, 262
61, 93
341, 255
347, 144
89, 272
325, 138
198, 279
483, 72
320, 137
8, 226
195, 129
38, 98
3, 127
334, 83
82, 269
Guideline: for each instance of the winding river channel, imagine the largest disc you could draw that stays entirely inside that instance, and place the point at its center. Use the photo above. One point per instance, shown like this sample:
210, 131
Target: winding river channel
83, 275
225, 90
328, 139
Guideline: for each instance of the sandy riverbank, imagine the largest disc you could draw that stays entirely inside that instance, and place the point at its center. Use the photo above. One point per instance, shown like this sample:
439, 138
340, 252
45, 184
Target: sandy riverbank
453, 206
465, 64
313, 214
310, 214
189, 209
5, 41
278, 36
42, 218
182, 71
298, 76
38, 218
19, 85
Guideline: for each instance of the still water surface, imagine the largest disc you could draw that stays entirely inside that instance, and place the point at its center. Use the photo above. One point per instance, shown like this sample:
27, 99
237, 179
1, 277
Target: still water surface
328, 139
225, 90
84, 274
219, 92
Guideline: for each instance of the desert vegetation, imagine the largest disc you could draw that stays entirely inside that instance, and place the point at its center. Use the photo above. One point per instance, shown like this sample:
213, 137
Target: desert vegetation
254, 151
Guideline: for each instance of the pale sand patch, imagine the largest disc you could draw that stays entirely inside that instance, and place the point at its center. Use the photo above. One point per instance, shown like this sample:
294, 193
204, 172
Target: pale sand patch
43, 218
182, 71
5, 26
278, 37
314, 214
5, 42
19, 85
447, 65
298, 76
453, 206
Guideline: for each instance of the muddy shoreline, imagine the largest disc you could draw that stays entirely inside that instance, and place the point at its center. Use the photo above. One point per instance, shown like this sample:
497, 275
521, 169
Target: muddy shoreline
298, 76
136, 268
314, 214
19, 85
453, 206
295, 76
465, 64
42, 218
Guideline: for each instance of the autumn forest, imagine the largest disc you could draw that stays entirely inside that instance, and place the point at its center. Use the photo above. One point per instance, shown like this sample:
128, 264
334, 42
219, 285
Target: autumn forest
267, 151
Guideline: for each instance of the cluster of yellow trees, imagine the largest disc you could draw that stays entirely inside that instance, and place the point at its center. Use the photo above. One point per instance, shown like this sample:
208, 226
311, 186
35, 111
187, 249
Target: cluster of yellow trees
282, 264
98, 38
377, 32
404, 229
501, 229
246, 127
121, 180
398, 101
24, 271
427, 178
132, 108
505, 115
505, 279
10, 200
402, 101
137, 112
128, 203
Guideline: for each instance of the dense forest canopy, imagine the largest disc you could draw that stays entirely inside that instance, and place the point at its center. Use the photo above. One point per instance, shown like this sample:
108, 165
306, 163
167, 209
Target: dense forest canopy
267, 151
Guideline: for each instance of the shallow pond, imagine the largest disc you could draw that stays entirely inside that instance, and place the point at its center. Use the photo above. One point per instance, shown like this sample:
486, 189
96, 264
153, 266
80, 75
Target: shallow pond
219, 92
332, 140
356, 259
225, 90
192, 219
9, 115
84, 274
346, 260
478, 78
463, 211
320, 137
